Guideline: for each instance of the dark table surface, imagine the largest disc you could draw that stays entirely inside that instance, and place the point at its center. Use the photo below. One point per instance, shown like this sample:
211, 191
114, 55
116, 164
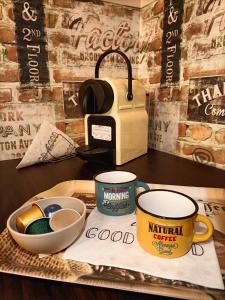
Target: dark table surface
17, 186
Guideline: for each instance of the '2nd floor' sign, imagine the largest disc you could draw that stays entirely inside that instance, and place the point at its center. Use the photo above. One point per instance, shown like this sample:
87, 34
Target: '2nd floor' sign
31, 42
171, 51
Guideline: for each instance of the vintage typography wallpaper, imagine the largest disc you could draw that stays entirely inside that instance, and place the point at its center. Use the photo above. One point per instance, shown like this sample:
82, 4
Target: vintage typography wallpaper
176, 47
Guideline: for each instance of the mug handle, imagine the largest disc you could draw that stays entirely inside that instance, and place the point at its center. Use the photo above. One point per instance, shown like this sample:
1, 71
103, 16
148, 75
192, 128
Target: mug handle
202, 237
143, 185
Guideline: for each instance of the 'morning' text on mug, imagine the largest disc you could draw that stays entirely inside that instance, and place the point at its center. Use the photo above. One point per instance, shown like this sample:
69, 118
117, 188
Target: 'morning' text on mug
116, 196
116, 199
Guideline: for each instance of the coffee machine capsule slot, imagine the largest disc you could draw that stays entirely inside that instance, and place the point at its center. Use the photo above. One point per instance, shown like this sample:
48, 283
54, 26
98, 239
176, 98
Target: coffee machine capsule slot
96, 96
116, 122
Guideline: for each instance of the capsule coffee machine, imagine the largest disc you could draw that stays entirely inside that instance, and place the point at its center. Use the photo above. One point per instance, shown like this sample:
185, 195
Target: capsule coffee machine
116, 122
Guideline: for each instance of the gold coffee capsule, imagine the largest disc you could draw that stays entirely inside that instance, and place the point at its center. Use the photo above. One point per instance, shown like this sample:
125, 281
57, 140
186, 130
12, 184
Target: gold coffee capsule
28, 216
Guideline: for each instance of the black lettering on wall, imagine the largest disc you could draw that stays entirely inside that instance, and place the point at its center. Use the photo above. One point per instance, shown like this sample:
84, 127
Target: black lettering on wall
171, 51
31, 42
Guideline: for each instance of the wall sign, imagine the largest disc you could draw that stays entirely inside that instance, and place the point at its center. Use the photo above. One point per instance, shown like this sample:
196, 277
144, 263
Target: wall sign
206, 100
19, 124
211, 15
163, 129
89, 33
72, 107
171, 52
31, 42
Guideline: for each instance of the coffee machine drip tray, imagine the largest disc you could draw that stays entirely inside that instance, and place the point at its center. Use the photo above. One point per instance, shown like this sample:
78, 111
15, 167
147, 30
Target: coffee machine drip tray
95, 153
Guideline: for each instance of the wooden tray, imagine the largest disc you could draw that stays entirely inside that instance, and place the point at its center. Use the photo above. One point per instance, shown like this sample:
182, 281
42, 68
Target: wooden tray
15, 260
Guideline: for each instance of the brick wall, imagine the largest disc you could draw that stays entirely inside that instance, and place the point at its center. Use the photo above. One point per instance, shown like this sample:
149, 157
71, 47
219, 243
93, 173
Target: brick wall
186, 117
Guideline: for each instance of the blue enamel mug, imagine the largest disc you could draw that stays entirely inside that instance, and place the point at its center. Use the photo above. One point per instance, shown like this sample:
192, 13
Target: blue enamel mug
116, 192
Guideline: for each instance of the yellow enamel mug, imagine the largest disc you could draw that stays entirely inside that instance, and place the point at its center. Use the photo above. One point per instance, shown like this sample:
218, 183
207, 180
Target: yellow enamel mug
166, 223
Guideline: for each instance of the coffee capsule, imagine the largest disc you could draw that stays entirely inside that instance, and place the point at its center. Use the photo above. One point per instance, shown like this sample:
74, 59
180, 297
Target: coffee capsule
51, 209
63, 218
39, 226
28, 216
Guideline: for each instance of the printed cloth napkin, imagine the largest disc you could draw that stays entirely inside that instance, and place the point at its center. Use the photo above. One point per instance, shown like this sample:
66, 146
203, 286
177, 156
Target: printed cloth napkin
49, 144
111, 241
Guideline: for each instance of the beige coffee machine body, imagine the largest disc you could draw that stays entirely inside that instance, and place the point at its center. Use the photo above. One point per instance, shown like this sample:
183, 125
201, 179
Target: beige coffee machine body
116, 125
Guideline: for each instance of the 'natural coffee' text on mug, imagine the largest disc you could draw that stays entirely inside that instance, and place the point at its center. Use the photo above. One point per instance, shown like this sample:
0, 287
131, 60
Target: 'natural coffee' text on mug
174, 230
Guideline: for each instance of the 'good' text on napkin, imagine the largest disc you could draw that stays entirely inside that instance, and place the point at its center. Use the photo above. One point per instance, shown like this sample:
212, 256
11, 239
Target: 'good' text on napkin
107, 234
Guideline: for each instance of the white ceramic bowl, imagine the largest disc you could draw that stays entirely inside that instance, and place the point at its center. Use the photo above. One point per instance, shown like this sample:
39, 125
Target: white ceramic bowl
54, 241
